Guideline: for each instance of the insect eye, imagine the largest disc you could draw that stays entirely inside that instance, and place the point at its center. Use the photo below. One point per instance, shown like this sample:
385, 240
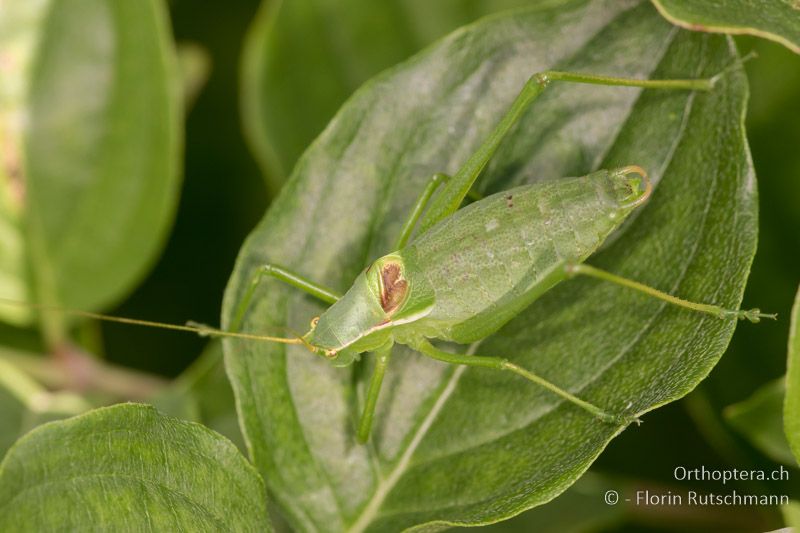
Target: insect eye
314, 322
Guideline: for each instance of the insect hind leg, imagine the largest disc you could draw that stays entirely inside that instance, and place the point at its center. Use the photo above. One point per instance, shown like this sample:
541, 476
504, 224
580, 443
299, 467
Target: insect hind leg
499, 363
753, 315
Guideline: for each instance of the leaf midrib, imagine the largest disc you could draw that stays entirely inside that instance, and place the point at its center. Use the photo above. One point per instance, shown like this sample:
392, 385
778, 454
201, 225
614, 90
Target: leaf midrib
370, 510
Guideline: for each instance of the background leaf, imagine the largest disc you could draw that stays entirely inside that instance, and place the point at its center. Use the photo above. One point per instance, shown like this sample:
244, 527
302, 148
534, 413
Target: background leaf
303, 59
20, 23
759, 419
791, 513
202, 393
128, 468
778, 20
466, 446
791, 408
95, 142
194, 64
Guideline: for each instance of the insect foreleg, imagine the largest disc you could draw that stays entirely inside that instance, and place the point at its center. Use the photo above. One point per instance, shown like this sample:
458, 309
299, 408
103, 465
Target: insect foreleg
461, 183
753, 315
498, 363
287, 276
382, 357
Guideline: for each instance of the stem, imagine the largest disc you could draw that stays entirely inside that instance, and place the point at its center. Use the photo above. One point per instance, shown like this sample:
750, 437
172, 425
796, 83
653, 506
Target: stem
74, 370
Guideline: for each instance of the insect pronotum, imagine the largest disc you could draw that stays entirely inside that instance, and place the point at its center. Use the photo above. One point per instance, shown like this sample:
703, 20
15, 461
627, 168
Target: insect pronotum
434, 286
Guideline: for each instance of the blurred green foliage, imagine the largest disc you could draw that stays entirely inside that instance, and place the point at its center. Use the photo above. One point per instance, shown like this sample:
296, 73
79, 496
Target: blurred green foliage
791, 406
91, 135
759, 419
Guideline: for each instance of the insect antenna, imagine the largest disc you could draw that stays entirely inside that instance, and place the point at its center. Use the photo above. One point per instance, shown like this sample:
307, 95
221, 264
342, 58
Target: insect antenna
191, 327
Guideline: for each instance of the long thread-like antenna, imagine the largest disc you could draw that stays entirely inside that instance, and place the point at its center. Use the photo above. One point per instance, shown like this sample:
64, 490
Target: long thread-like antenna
201, 330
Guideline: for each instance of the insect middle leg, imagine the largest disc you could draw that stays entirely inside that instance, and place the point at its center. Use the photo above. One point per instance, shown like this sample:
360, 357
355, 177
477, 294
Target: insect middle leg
499, 363
753, 315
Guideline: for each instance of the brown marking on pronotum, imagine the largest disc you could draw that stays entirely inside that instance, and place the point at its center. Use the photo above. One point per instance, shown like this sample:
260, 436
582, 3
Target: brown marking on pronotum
393, 287
510, 201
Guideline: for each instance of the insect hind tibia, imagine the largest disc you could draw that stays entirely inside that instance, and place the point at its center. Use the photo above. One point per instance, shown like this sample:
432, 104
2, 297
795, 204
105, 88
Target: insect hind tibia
753, 315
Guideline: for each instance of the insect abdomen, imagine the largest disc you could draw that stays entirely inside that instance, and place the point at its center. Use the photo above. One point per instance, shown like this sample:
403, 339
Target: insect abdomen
494, 257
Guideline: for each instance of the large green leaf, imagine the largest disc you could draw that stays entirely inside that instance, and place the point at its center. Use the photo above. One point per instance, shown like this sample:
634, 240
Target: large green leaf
128, 468
457, 446
302, 59
91, 146
778, 20
791, 407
